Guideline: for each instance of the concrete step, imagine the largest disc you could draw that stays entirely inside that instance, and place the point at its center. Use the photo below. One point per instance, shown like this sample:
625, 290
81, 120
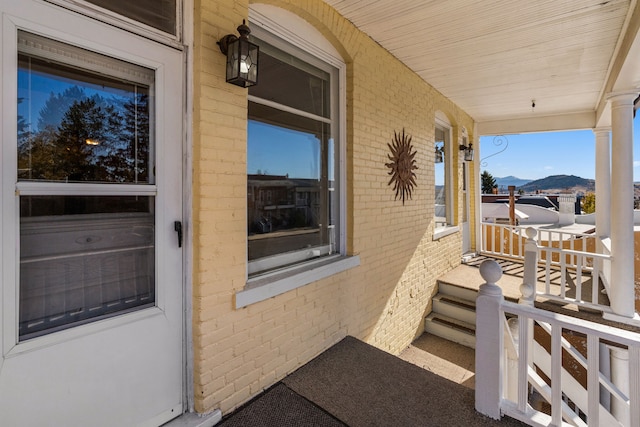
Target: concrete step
450, 289
451, 329
455, 307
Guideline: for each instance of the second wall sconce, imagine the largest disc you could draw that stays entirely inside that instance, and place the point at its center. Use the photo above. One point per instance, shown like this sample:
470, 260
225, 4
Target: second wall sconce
468, 151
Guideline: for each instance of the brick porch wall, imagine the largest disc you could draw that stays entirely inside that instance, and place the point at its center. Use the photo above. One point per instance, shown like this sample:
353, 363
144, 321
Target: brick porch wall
238, 353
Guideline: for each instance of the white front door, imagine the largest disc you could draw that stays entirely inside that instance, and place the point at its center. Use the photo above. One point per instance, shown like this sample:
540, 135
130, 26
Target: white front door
91, 284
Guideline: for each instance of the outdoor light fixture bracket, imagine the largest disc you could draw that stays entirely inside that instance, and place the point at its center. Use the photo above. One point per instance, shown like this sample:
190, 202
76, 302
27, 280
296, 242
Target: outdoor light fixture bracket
242, 57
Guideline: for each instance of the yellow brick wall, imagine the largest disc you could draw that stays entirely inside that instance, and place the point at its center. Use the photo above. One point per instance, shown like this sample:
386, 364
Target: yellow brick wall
238, 353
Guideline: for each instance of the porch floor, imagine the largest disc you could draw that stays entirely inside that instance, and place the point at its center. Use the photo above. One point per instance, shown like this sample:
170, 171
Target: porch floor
355, 384
431, 383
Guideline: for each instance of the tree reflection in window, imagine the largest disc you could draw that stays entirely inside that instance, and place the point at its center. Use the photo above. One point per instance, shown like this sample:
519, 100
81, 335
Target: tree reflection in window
89, 128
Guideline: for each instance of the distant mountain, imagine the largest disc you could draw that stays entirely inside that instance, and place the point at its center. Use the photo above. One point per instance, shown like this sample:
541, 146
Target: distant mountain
511, 180
560, 182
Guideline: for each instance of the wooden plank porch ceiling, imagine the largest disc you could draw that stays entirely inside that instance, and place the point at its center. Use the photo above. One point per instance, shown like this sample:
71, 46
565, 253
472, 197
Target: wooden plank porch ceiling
492, 58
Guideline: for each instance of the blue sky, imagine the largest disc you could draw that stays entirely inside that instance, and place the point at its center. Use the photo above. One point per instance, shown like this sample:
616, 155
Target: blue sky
537, 155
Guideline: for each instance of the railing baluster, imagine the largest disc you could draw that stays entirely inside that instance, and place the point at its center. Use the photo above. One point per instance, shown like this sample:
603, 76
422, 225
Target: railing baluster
563, 278
578, 263
572, 242
511, 238
556, 373
595, 281
634, 384
495, 239
547, 281
523, 362
593, 380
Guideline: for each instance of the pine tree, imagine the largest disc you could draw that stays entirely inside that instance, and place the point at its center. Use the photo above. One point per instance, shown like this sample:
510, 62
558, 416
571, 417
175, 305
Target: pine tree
488, 183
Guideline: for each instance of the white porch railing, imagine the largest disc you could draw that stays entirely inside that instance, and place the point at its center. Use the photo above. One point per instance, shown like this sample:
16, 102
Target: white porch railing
507, 241
568, 260
507, 374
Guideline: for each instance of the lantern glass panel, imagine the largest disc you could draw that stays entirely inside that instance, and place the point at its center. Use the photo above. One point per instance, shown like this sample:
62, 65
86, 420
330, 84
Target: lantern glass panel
232, 61
252, 63
468, 154
242, 63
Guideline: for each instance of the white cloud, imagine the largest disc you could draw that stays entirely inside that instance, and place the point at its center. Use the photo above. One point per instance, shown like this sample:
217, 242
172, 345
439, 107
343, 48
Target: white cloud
636, 163
548, 168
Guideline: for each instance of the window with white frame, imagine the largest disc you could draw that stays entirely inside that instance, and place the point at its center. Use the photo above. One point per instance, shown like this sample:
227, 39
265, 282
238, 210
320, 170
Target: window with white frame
292, 157
443, 185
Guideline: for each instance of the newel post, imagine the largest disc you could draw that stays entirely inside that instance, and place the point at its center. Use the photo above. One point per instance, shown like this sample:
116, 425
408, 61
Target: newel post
489, 342
527, 297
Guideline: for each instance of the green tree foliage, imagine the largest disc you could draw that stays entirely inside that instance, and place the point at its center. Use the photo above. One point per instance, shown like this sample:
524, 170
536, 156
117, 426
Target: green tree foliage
589, 203
488, 183
60, 149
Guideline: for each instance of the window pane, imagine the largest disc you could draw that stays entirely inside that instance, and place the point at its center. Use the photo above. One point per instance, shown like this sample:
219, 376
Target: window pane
292, 161
75, 125
288, 184
83, 259
440, 178
160, 14
289, 81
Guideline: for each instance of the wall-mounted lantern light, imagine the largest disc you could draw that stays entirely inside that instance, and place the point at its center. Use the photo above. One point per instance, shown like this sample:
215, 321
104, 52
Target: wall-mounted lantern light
242, 57
468, 151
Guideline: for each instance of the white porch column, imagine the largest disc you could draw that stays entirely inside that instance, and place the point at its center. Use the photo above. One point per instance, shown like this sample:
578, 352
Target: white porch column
620, 377
622, 250
603, 182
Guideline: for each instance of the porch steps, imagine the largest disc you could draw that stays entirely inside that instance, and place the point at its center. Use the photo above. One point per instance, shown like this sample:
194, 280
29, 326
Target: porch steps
453, 316
458, 308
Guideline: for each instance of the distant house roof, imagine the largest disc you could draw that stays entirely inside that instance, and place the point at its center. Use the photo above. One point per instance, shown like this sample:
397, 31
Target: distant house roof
542, 201
500, 210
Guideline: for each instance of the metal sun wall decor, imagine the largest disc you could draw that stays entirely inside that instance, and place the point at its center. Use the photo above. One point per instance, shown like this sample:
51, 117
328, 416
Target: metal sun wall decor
402, 165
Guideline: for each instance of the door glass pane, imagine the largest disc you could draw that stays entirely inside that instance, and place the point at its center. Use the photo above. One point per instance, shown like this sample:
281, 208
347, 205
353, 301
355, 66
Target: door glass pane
83, 258
77, 126
160, 14
83, 118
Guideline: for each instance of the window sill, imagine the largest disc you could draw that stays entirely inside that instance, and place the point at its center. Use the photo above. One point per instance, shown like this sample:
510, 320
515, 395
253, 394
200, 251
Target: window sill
441, 232
265, 287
